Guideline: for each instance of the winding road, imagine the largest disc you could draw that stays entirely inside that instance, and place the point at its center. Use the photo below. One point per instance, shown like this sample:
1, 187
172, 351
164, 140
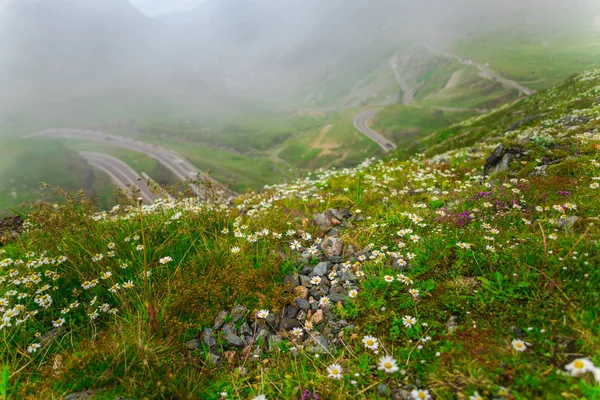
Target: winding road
182, 168
362, 120
120, 174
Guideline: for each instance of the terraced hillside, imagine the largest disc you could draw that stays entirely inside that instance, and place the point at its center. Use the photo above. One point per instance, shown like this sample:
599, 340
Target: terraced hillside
468, 270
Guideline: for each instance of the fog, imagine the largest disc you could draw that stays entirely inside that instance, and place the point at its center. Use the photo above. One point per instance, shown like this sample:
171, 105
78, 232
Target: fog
73, 62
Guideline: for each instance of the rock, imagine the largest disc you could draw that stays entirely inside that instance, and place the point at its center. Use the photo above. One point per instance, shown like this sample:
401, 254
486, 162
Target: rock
208, 337
383, 389
568, 222
220, 319
52, 335
500, 158
452, 324
301, 291
231, 337
193, 344
494, 158
245, 329
314, 306
288, 324
305, 281
504, 164
335, 297
340, 214
302, 303
272, 319
290, 311
238, 312
523, 121
274, 342
213, 358
322, 222
318, 345
87, 394
10, 228
320, 269
317, 317
337, 289
306, 269
335, 259
401, 394
263, 338
332, 246
291, 280
573, 120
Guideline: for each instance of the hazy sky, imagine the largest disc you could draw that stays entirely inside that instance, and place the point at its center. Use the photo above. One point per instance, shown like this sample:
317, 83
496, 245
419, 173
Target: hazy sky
156, 7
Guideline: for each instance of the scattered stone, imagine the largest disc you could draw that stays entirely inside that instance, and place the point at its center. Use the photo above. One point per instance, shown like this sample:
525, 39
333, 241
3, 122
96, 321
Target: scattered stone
500, 158
301, 291
320, 269
290, 311
245, 329
452, 324
335, 297
302, 303
332, 246
317, 345
263, 337
52, 335
193, 344
271, 319
573, 120
274, 342
383, 389
323, 222
10, 228
87, 394
291, 280
523, 121
208, 337
305, 281
317, 317
220, 320
238, 312
213, 358
231, 336
306, 269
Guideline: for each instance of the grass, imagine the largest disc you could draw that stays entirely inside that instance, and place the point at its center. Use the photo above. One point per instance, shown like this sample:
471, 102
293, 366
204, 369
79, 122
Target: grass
453, 272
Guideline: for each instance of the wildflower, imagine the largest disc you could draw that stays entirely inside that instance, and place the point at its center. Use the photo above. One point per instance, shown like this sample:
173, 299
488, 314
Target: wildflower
111, 245
580, 366
260, 397
313, 251
128, 285
324, 301
97, 257
262, 314
32, 348
165, 260
235, 250
553, 236
315, 280
409, 321
139, 247
594, 185
332, 275
295, 245
414, 292
335, 371
352, 293
297, 332
308, 325
388, 278
519, 345
420, 394
476, 396
114, 288
387, 364
106, 275
464, 246
370, 342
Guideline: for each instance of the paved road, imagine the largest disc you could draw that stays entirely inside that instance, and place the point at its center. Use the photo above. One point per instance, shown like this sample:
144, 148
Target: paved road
182, 168
408, 93
485, 71
120, 173
361, 123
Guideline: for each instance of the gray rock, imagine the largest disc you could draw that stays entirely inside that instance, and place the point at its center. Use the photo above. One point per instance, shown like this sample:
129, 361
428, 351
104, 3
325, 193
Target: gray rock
238, 312
52, 335
289, 324
320, 269
401, 394
573, 120
274, 342
567, 223
314, 306
348, 276
290, 311
338, 289
213, 358
193, 344
306, 269
340, 214
302, 304
305, 281
332, 246
263, 337
322, 222
291, 280
245, 329
220, 319
271, 319
87, 394
335, 259
317, 345
231, 337
335, 297
208, 337
452, 324
383, 389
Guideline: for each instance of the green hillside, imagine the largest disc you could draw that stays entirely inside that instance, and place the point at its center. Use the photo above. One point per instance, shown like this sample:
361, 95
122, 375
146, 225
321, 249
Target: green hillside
466, 271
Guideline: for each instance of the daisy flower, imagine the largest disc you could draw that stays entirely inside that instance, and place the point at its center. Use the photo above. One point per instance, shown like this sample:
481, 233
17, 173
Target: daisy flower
409, 321
388, 278
335, 371
260, 397
297, 332
32, 348
128, 285
324, 301
235, 250
519, 345
262, 314
420, 394
475, 396
353, 293
315, 280
464, 246
370, 342
165, 260
580, 366
387, 364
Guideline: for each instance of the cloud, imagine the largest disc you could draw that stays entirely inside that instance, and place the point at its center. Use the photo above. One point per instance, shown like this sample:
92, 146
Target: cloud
158, 7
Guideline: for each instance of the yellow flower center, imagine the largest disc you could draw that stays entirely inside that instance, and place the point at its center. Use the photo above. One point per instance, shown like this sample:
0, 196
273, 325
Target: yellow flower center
578, 364
334, 371
388, 365
421, 395
370, 342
